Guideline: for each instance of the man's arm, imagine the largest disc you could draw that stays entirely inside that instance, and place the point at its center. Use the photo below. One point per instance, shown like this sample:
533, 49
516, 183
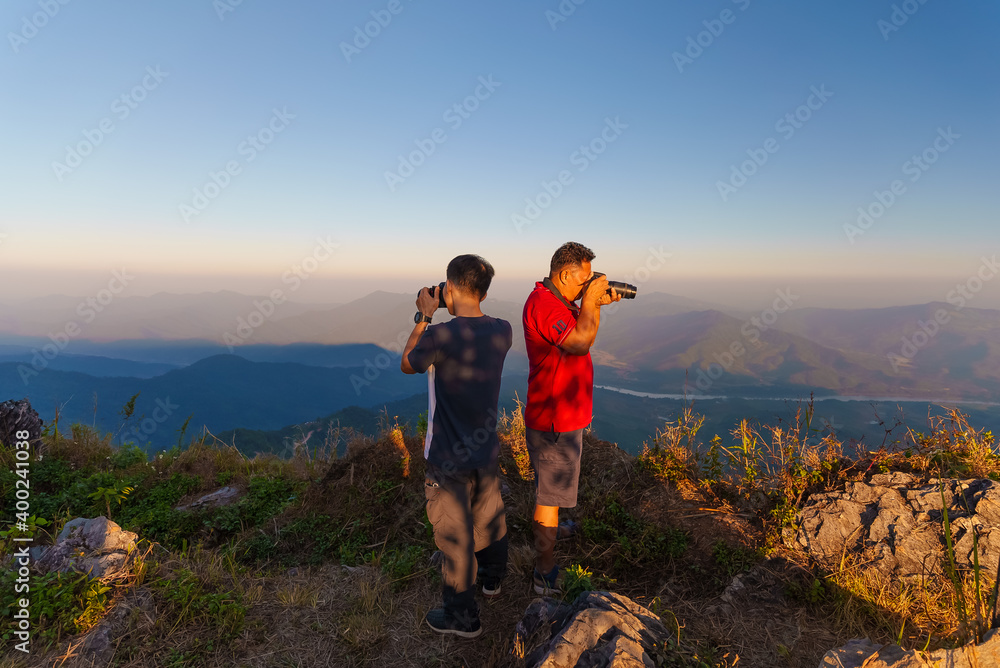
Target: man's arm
426, 304
582, 336
411, 343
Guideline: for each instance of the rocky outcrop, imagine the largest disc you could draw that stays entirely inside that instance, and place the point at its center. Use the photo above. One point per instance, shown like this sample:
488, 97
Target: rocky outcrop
898, 524
96, 546
220, 497
862, 653
599, 630
19, 416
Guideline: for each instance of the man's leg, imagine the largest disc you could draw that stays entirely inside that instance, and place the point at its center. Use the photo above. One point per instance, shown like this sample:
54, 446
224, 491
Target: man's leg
545, 525
555, 458
490, 520
450, 513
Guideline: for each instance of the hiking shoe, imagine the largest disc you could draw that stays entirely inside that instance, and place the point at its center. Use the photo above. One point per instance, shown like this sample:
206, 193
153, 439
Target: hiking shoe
443, 621
547, 585
567, 529
491, 591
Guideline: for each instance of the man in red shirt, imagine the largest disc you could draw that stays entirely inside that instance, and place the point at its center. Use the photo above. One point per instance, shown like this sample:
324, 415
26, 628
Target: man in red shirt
558, 335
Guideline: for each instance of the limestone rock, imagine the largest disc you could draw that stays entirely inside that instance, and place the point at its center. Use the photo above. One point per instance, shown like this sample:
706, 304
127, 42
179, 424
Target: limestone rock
599, 630
96, 546
220, 497
18, 416
898, 524
860, 653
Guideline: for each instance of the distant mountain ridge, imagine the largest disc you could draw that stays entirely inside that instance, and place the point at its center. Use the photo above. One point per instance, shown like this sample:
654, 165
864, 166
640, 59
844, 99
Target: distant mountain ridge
222, 392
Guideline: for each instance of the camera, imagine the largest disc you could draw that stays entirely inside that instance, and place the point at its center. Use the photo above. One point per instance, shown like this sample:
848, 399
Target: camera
440, 294
626, 290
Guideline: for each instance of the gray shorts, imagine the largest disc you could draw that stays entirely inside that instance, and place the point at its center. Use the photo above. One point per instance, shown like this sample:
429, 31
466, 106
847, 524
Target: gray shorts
555, 458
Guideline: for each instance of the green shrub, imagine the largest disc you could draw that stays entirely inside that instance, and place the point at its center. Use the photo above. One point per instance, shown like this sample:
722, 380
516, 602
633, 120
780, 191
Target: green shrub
61, 604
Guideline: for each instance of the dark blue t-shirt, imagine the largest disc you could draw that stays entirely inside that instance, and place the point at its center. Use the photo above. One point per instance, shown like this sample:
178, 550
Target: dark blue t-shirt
465, 358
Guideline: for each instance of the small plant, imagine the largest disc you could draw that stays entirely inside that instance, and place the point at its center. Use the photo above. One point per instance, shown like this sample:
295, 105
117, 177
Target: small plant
711, 470
109, 494
127, 411
576, 580
183, 430
733, 560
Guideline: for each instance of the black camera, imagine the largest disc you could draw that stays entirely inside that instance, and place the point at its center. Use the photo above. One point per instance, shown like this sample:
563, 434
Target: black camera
440, 294
626, 290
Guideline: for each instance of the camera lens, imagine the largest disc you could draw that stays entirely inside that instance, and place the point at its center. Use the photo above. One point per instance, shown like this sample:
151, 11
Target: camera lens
626, 290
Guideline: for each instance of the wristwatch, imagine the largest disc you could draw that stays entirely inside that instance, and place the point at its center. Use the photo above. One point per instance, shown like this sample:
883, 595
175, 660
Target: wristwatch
419, 317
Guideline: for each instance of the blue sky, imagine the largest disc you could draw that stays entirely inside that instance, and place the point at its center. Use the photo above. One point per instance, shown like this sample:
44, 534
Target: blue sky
673, 130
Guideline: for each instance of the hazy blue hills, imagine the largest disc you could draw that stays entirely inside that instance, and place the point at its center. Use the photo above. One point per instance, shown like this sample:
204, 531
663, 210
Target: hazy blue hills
91, 364
222, 392
173, 354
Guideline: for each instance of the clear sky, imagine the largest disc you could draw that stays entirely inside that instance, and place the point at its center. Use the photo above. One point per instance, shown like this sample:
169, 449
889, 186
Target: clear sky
734, 138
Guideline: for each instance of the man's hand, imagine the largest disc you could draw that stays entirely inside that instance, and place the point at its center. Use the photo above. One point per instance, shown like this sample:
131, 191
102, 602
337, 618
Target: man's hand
597, 293
609, 298
426, 302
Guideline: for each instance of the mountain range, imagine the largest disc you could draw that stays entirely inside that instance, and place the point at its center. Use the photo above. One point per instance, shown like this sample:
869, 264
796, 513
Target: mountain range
308, 361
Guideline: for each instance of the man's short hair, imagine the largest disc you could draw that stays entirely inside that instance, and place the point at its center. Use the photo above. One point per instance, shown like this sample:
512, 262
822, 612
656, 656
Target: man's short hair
570, 253
471, 273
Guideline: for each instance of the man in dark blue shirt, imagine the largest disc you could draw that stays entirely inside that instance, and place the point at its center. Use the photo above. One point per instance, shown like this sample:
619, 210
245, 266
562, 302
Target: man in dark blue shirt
463, 359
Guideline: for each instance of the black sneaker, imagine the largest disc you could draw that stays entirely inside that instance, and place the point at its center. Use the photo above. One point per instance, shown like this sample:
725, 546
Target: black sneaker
443, 621
491, 591
547, 585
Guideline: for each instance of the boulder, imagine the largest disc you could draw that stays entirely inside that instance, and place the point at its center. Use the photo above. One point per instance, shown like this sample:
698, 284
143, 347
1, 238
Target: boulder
598, 630
862, 653
18, 416
96, 546
899, 524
